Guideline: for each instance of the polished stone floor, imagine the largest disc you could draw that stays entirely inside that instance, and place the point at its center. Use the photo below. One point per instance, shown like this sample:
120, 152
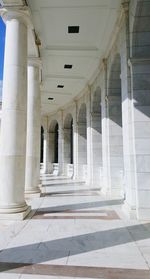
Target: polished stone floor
73, 232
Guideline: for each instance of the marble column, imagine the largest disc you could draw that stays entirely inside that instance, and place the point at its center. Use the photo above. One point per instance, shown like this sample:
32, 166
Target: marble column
89, 140
33, 130
105, 133
61, 145
129, 206
75, 144
96, 159
50, 150
46, 152
67, 149
14, 116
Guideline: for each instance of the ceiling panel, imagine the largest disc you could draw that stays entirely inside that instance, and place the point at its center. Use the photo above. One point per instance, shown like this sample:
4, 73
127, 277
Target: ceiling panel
51, 19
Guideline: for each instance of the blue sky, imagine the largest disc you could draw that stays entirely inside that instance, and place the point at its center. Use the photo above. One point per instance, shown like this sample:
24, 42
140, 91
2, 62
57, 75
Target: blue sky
2, 42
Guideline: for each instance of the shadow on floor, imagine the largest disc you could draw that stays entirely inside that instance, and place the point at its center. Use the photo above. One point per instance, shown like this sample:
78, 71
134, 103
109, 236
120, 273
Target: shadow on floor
59, 184
83, 205
90, 191
75, 245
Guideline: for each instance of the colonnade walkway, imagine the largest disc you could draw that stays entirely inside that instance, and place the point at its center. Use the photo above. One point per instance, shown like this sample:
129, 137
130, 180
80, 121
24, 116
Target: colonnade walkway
72, 232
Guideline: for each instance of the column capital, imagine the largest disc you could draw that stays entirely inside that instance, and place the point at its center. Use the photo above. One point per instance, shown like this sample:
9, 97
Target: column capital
8, 14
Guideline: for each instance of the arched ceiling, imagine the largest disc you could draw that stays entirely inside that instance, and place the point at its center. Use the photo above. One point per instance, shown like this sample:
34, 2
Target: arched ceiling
84, 50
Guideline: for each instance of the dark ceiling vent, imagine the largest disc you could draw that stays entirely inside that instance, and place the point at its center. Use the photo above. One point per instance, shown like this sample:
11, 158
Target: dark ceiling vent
73, 29
68, 66
60, 86
50, 98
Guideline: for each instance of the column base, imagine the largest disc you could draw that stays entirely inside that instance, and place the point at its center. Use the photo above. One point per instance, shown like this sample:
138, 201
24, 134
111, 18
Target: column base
33, 193
112, 193
129, 211
14, 213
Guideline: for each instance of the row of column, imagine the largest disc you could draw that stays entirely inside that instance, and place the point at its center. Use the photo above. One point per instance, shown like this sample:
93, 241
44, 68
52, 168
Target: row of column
20, 125
79, 143
116, 139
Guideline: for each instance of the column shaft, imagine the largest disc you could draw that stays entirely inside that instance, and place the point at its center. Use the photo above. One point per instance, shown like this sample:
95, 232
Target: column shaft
61, 150
96, 160
61, 145
89, 142
75, 144
46, 151
13, 126
33, 132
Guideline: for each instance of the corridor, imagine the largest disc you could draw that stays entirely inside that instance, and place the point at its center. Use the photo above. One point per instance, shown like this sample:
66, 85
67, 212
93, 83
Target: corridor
73, 232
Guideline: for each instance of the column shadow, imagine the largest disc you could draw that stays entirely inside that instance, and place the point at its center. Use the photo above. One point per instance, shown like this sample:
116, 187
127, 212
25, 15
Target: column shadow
56, 249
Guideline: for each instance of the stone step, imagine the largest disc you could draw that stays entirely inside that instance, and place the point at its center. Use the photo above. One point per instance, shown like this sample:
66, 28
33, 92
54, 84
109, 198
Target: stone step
62, 183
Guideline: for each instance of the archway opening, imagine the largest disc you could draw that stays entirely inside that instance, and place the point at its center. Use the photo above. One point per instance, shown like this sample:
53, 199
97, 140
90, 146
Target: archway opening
56, 144
53, 146
42, 145
71, 145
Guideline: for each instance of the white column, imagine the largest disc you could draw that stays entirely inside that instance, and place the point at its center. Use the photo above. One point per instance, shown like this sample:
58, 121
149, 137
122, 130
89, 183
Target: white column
14, 115
96, 146
46, 152
105, 132
51, 136
61, 145
89, 141
75, 144
61, 150
33, 130
129, 206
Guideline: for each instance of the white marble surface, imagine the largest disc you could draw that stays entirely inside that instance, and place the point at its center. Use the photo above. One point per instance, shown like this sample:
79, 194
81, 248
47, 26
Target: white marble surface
112, 243
33, 129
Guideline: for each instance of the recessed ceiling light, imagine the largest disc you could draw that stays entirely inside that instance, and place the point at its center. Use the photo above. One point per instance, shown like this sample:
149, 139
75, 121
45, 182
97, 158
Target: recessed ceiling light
50, 98
60, 86
73, 29
68, 66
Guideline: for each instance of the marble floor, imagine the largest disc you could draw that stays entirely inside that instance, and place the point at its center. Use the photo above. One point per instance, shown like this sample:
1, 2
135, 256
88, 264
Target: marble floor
73, 232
